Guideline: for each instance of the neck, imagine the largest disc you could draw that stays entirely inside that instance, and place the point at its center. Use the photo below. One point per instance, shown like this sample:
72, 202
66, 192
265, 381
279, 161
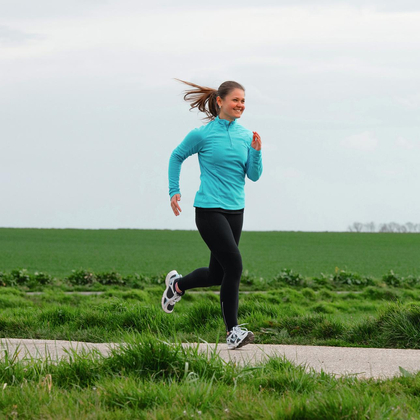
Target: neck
223, 117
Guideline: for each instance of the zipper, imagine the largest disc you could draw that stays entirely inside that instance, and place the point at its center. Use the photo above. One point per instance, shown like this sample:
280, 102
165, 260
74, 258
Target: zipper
230, 138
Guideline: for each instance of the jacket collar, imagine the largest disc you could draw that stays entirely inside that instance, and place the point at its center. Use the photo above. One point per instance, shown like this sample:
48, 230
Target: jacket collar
225, 123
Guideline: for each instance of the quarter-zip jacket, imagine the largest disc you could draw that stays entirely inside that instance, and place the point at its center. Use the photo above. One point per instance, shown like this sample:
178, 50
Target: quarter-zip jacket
225, 156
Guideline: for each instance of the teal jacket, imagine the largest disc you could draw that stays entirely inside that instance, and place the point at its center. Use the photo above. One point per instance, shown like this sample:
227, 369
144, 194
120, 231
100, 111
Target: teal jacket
225, 156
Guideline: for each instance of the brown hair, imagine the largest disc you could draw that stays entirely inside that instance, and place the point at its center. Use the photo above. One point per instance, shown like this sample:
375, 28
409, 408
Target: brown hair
204, 98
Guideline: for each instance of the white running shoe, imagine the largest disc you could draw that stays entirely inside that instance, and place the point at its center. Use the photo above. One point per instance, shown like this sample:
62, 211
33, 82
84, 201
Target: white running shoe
239, 337
170, 295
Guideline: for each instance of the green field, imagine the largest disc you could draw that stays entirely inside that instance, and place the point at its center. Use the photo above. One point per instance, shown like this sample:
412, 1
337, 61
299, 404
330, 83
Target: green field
148, 379
155, 252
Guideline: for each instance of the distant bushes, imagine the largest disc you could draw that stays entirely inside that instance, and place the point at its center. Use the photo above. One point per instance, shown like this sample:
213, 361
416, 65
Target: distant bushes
77, 278
290, 278
23, 278
351, 279
340, 280
88, 278
393, 280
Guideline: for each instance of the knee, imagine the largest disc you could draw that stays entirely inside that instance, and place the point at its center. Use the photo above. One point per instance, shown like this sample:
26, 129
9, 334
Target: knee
216, 281
235, 266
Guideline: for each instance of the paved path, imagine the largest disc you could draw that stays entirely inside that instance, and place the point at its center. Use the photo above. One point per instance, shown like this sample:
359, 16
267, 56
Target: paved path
362, 362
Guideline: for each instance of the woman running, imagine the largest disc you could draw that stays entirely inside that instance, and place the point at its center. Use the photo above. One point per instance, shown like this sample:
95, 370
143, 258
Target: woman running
227, 152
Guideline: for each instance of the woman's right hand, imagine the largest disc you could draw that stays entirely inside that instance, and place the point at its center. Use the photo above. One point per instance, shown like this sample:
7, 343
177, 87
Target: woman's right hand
256, 141
174, 204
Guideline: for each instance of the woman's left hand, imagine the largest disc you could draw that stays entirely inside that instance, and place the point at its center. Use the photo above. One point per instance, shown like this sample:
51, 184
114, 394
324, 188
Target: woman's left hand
256, 141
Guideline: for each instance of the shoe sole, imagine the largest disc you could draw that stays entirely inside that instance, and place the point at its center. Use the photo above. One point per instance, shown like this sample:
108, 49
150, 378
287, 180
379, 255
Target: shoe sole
247, 340
168, 278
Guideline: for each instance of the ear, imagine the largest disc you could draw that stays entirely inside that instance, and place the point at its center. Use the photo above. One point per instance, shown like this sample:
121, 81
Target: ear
219, 101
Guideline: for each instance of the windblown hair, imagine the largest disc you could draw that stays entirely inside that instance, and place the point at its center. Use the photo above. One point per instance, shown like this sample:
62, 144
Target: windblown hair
204, 98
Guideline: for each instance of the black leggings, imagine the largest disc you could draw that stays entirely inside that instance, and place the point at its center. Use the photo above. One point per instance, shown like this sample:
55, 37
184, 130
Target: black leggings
221, 232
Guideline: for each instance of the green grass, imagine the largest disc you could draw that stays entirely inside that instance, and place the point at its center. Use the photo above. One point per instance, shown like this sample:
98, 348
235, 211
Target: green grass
154, 252
371, 318
148, 379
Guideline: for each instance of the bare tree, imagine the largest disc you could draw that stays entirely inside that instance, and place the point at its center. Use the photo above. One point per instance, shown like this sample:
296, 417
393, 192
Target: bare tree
391, 227
356, 227
412, 227
384, 228
370, 227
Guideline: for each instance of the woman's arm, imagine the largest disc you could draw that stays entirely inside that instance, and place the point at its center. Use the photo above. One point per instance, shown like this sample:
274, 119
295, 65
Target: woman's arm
254, 163
189, 146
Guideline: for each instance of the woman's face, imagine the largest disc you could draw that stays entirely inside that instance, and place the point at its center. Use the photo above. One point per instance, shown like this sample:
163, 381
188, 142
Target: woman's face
232, 106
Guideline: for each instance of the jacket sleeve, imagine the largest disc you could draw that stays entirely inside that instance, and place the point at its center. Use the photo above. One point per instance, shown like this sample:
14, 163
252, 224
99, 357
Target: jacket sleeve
254, 165
189, 146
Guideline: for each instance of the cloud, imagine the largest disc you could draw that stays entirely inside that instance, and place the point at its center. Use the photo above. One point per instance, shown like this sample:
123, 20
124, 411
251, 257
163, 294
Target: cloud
186, 30
12, 9
364, 142
89, 103
403, 143
12, 36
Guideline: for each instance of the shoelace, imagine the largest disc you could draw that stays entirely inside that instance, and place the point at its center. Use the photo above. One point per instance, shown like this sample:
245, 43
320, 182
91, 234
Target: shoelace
237, 329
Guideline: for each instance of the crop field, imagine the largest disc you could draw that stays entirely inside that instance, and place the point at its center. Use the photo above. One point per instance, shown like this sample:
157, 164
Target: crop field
149, 252
298, 288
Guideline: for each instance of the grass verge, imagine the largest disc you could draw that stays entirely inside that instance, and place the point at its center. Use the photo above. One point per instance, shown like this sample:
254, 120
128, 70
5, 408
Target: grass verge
375, 317
148, 379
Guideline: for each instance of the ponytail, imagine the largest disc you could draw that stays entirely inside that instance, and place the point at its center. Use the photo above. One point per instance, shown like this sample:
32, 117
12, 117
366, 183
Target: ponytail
205, 99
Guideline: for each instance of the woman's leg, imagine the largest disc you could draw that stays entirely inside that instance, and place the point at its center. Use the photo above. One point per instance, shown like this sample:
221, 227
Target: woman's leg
221, 232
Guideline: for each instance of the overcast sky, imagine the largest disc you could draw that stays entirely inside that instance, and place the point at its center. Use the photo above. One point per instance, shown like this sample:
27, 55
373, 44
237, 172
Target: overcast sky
90, 111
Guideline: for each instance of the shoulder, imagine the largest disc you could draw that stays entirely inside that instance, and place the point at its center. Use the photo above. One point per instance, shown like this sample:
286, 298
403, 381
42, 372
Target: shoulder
195, 134
209, 127
202, 132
